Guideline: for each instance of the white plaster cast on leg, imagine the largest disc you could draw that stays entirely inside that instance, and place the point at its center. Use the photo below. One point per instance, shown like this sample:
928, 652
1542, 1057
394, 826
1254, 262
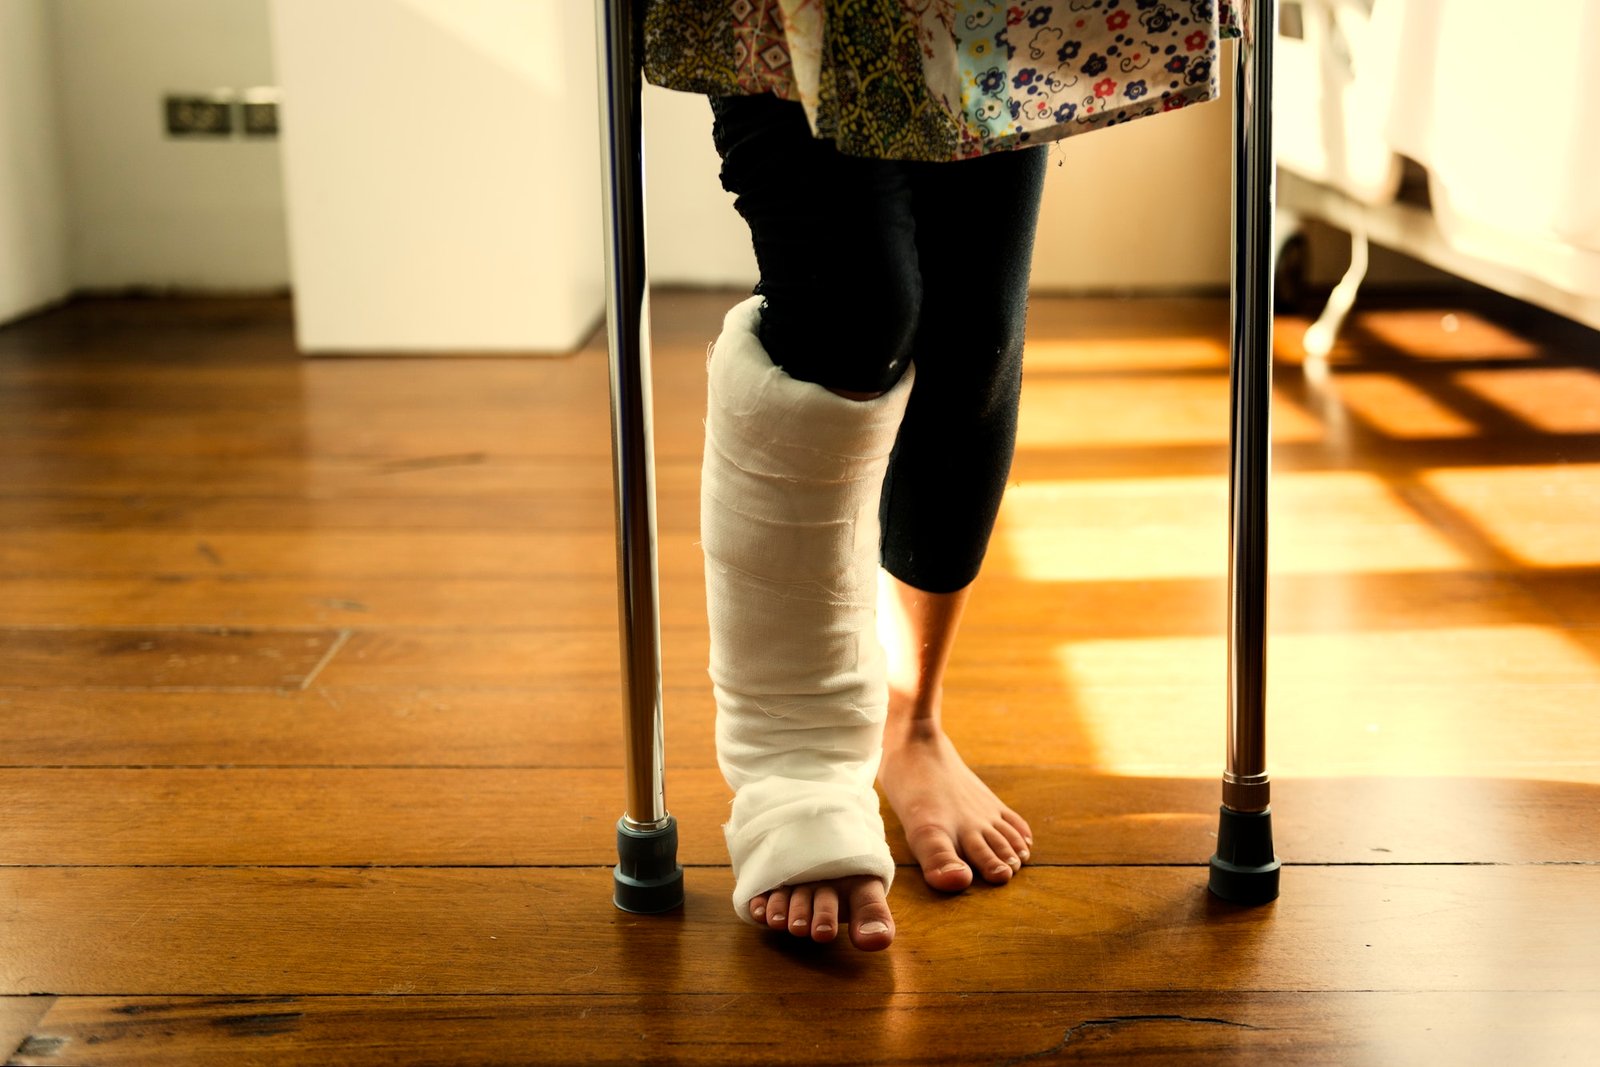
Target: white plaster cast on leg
789, 525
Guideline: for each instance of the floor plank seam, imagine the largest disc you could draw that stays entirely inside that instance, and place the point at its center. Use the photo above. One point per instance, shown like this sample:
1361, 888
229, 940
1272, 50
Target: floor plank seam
473, 767
1114, 1021
1198, 865
877, 995
573, 768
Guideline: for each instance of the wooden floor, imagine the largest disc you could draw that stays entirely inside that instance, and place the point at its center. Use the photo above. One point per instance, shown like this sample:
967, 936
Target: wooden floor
312, 734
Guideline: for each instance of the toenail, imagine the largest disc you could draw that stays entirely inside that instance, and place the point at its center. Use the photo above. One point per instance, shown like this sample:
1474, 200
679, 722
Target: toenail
1025, 854
1014, 864
1004, 868
950, 868
799, 924
824, 928
777, 917
874, 928
761, 912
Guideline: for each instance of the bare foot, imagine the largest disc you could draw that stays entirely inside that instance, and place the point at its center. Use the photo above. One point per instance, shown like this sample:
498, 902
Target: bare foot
815, 910
954, 823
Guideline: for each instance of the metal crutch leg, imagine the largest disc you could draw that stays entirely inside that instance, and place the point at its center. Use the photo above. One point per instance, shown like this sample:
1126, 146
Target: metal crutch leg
647, 876
1245, 868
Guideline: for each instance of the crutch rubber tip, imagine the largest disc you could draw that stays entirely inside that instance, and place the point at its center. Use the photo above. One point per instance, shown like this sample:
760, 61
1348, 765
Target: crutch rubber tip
1245, 869
647, 878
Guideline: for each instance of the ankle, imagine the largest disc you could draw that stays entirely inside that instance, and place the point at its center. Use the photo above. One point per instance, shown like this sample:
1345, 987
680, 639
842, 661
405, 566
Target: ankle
900, 731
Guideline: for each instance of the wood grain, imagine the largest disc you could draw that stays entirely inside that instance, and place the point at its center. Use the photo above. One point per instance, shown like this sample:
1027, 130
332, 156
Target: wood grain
344, 554
522, 602
1348, 728
159, 508
308, 673
312, 930
870, 1030
996, 662
1113, 608
19, 1017
161, 658
423, 816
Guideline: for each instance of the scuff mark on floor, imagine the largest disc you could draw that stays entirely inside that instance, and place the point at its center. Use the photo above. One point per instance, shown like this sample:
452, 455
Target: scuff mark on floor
41, 1048
422, 463
262, 1024
1115, 1022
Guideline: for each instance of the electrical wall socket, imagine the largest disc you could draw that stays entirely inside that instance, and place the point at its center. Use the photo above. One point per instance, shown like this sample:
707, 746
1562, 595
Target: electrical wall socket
221, 112
260, 119
200, 115
258, 111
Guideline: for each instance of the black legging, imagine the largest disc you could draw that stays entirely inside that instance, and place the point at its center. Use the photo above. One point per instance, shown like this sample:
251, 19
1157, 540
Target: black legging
869, 264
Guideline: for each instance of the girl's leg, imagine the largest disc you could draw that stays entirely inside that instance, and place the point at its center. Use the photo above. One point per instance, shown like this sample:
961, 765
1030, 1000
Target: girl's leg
953, 822
975, 226
789, 497
790, 491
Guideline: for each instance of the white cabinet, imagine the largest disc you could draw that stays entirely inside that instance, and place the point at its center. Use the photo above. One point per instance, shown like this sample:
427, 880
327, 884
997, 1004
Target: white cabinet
441, 163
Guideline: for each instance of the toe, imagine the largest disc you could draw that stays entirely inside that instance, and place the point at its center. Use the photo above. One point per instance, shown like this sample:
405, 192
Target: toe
942, 866
983, 859
800, 911
758, 907
1003, 848
825, 913
1019, 824
871, 925
1014, 838
778, 909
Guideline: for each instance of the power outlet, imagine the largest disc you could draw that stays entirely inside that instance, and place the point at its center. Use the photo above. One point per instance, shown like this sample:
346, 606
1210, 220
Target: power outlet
258, 112
197, 115
260, 120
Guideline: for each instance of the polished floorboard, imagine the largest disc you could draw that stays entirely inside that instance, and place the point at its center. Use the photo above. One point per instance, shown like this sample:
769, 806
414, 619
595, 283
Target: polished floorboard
312, 727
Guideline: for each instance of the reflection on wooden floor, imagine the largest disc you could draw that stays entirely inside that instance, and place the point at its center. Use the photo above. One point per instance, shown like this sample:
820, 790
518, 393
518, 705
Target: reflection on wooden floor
312, 727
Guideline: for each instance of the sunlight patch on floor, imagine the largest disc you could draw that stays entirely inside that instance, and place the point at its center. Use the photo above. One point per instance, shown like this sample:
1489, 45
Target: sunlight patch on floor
1544, 516
1453, 334
1527, 395
1397, 408
1123, 355
1060, 413
1340, 522
1494, 701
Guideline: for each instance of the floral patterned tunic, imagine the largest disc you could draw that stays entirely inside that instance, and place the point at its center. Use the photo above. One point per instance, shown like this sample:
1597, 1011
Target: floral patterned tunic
945, 79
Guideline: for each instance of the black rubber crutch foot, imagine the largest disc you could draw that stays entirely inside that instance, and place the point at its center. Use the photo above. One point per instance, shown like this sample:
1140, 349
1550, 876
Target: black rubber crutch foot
648, 878
1245, 868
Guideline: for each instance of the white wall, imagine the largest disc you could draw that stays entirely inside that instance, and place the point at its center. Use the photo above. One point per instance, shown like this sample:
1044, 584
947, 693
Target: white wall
693, 236
442, 160
1141, 206
146, 210
33, 245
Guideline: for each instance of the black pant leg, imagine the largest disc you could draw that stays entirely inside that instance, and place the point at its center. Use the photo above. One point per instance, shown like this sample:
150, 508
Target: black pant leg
834, 239
975, 222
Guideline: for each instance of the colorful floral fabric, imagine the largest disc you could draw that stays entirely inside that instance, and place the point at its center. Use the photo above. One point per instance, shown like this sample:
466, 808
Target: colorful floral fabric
945, 79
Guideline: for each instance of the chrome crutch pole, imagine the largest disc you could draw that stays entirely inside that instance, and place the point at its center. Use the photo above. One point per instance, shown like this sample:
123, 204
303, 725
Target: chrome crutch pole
648, 877
1245, 867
